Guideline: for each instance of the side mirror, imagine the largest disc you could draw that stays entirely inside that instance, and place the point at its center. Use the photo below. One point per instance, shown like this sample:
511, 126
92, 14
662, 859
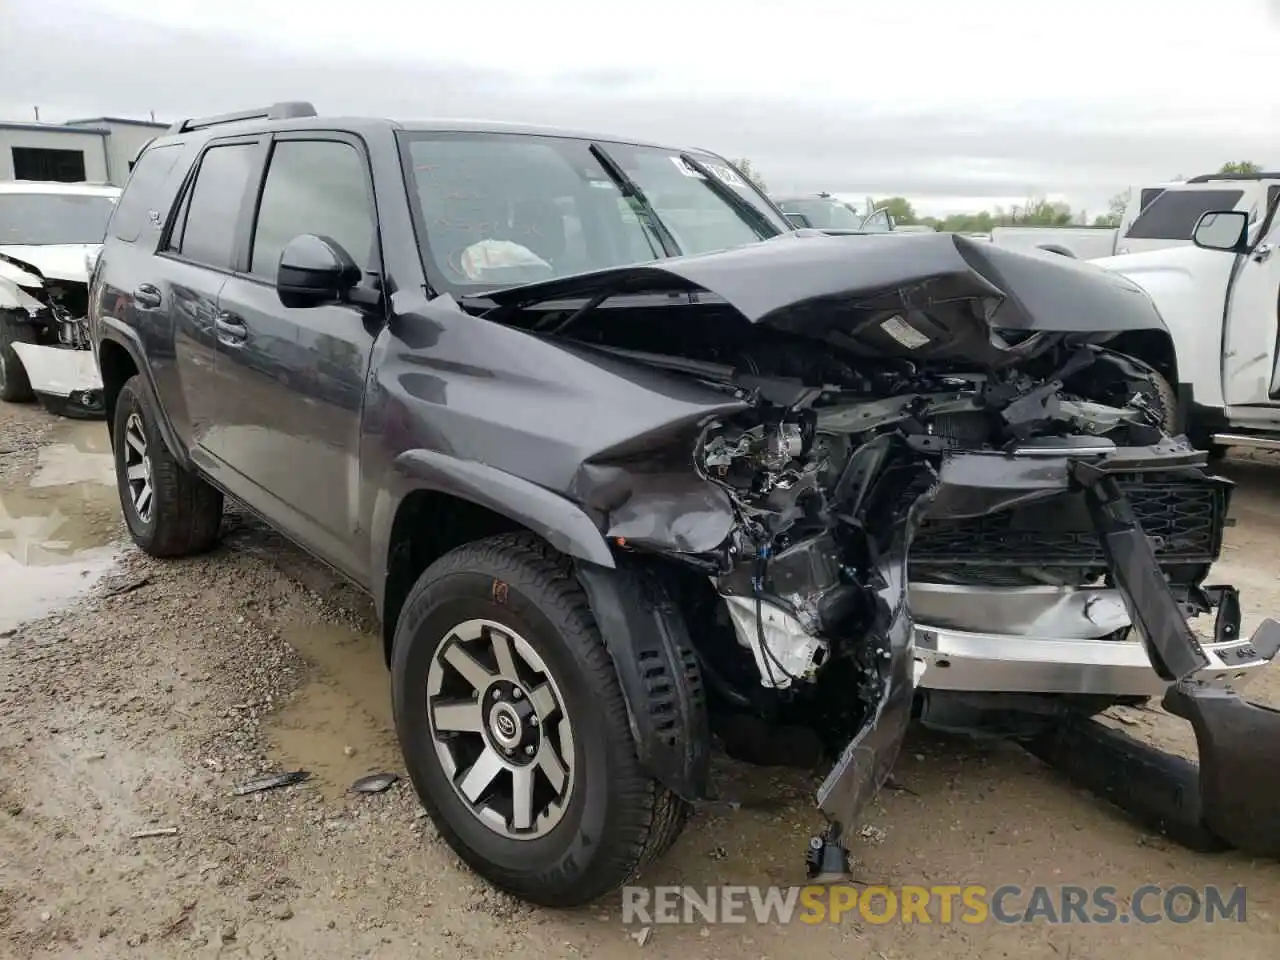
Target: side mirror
799, 221
1225, 230
313, 271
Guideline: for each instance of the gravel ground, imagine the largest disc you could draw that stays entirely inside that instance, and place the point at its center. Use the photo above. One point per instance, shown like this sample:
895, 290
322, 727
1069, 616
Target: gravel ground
135, 694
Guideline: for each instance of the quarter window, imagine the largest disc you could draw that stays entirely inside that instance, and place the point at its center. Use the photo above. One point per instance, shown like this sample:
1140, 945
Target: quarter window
143, 190
318, 187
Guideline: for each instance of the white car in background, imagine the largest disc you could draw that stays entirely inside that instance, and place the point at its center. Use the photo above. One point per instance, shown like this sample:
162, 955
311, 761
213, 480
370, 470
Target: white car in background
50, 236
1158, 217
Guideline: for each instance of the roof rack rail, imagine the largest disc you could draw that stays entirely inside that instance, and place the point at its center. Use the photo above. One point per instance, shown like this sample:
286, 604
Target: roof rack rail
1210, 177
286, 110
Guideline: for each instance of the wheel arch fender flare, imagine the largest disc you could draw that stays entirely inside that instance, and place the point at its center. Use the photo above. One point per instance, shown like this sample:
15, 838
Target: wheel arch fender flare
117, 333
559, 521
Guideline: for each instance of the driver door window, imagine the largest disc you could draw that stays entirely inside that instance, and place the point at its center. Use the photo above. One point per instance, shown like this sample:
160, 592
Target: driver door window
318, 187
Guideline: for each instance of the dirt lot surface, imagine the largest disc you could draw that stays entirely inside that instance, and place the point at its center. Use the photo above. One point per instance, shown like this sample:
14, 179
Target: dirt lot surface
134, 695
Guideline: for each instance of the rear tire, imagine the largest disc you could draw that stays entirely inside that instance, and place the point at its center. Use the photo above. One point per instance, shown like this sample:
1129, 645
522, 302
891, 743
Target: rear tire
611, 818
14, 385
170, 511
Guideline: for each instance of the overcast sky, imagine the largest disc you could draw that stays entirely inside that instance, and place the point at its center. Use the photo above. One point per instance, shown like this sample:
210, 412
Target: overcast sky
957, 104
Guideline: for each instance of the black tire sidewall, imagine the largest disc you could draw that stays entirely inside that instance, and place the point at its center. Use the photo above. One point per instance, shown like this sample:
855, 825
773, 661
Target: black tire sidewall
132, 401
14, 385
567, 851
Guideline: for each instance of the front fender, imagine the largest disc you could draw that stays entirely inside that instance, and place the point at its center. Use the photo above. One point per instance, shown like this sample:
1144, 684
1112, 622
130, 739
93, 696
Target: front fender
1188, 287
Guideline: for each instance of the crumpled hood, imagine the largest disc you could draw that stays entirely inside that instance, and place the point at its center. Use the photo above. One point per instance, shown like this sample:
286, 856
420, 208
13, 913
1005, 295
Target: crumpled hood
52, 261
953, 293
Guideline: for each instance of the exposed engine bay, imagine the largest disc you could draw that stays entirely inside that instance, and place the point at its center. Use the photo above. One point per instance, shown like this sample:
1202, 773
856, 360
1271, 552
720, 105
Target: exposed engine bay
835, 452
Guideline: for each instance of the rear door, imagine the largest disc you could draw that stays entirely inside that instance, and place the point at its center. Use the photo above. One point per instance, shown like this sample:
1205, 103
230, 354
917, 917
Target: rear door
292, 379
194, 260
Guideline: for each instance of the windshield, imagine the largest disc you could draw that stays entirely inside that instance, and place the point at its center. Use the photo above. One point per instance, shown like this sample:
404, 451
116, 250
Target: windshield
51, 218
511, 208
823, 212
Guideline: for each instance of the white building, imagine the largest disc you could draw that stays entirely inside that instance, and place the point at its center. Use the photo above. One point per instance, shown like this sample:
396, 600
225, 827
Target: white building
93, 150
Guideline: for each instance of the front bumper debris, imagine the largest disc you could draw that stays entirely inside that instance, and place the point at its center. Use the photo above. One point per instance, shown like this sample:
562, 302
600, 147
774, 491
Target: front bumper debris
865, 764
1229, 801
65, 379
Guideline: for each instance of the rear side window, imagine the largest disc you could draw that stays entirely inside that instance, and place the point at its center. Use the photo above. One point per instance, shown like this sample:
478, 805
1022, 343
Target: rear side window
1147, 195
206, 227
1173, 215
318, 187
142, 191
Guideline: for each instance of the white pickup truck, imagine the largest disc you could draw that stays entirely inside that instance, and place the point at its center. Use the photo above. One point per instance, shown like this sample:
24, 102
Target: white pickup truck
1220, 298
1157, 217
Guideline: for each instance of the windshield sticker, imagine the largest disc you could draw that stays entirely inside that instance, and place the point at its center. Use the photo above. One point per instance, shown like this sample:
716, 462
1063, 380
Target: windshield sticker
904, 333
726, 175
684, 168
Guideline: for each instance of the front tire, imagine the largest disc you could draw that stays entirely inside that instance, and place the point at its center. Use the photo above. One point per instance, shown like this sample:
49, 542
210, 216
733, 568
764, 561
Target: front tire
514, 728
14, 385
170, 512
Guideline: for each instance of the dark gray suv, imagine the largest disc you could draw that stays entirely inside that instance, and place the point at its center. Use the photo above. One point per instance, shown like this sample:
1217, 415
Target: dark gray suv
621, 458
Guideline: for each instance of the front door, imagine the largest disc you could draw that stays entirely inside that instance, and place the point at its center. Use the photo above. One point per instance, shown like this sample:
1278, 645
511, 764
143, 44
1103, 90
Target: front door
292, 379
1251, 359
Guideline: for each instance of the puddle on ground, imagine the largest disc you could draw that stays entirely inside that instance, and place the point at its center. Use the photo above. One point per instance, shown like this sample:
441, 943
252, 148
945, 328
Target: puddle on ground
339, 726
56, 527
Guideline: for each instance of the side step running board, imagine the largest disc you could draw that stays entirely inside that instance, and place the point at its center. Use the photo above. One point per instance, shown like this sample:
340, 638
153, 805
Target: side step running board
1245, 440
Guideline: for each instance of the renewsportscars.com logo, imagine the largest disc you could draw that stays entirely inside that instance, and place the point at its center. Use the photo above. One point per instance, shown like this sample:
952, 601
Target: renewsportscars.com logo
941, 904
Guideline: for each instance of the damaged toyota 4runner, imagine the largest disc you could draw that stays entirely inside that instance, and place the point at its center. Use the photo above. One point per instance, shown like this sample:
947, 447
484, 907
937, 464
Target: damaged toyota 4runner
50, 234
620, 455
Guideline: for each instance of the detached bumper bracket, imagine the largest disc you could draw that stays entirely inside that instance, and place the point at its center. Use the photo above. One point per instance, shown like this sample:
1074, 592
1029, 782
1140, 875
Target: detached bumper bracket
1239, 745
1171, 645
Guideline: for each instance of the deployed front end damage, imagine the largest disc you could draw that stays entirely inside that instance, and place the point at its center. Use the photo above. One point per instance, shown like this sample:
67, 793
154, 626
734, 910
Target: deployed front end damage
885, 389
44, 313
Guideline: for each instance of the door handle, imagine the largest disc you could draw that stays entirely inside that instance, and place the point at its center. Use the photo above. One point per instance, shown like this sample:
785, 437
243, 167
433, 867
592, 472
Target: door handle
1262, 252
231, 329
147, 295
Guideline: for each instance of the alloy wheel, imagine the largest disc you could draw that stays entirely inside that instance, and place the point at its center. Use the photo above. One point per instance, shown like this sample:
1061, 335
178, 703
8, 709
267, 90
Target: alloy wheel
500, 730
137, 466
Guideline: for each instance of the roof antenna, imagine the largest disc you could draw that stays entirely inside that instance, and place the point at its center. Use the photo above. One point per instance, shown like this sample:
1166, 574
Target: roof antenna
153, 116
37, 110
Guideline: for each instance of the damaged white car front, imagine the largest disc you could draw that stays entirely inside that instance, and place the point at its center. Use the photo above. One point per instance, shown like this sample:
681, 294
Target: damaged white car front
50, 237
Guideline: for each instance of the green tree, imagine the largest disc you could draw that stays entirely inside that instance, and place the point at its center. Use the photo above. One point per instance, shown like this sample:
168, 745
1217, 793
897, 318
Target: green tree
1036, 212
1115, 210
750, 173
1240, 166
899, 208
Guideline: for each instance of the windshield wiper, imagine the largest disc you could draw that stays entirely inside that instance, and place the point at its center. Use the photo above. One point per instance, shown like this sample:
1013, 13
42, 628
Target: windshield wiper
631, 190
746, 211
